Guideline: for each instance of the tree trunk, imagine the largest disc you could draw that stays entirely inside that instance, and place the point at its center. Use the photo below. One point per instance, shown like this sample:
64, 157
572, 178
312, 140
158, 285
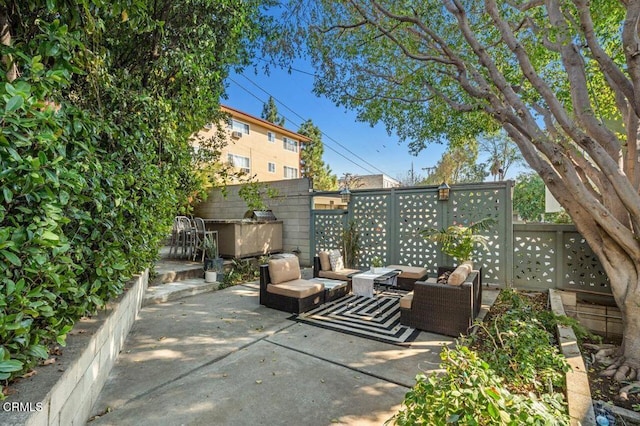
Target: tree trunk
624, 278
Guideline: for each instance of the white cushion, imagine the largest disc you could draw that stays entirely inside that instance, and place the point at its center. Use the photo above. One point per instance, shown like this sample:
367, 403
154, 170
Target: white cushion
337, 263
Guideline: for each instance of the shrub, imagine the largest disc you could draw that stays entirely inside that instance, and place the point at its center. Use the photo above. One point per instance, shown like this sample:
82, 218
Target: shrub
509, 373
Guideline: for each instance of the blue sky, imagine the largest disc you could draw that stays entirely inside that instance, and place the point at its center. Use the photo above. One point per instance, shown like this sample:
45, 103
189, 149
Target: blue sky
373, 151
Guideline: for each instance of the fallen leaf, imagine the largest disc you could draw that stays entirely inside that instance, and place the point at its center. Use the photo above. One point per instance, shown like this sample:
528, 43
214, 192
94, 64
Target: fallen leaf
29, 374
49, 361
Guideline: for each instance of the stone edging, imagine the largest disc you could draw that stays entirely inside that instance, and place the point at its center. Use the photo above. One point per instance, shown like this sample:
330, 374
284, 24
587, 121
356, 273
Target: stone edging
64, 393
578, 391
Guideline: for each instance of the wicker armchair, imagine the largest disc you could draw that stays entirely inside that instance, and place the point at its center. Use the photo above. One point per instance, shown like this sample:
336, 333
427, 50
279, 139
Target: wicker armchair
443, 308
290, 294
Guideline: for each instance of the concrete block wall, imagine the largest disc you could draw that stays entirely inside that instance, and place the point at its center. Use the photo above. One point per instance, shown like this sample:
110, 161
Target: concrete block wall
600, 319
578, 391
72, 385
292, 206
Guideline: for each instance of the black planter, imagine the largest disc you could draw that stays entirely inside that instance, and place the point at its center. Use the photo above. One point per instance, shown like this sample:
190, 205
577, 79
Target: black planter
213, 264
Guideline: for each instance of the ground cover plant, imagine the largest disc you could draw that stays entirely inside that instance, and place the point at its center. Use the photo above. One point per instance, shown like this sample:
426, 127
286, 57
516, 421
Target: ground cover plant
242, 271
509, 373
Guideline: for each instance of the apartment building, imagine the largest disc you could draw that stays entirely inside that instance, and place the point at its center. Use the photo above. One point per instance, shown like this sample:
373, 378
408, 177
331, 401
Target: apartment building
260, 148
372, 182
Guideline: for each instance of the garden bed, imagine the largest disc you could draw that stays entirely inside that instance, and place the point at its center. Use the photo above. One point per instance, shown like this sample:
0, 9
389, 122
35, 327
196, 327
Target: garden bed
510, 371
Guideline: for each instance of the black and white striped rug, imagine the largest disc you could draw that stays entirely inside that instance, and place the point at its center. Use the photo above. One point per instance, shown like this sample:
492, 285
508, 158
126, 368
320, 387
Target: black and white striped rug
377, 318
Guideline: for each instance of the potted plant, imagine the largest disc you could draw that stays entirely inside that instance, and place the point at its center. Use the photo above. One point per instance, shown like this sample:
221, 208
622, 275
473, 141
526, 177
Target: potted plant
459, 241
350, 244
376, 264
212, 262
254, 193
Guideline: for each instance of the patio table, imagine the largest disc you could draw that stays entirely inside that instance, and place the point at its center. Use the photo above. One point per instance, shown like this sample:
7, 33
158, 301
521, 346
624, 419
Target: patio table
364, 282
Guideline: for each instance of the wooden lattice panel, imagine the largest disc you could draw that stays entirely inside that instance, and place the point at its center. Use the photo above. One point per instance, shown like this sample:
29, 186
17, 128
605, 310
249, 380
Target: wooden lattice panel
583, 270
371, 213
473, 205
327, 231
534, 259
415, 212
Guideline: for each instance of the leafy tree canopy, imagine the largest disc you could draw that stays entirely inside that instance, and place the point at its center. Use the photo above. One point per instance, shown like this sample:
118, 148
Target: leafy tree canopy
458, 165
562, 78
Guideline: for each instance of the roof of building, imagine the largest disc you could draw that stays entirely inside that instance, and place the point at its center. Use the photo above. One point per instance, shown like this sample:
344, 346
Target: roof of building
264, 123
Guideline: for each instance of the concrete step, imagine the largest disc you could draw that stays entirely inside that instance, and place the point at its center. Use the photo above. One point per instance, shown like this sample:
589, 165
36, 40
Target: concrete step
169, 271
176, 290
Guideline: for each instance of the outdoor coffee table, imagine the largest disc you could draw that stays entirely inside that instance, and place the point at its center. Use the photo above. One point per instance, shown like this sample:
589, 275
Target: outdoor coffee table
333, 289
363, 283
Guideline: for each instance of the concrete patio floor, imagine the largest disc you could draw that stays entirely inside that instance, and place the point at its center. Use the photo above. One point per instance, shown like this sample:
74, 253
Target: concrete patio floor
220, 358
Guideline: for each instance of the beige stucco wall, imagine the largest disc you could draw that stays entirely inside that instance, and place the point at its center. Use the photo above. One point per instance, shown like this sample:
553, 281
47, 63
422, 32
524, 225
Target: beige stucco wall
257, 148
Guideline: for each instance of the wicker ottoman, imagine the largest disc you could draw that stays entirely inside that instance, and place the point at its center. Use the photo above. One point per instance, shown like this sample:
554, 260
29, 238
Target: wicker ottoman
333, 289
409, 275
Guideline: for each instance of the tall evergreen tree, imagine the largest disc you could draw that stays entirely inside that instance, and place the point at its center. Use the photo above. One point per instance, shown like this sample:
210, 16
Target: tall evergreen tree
270, 112
313, 167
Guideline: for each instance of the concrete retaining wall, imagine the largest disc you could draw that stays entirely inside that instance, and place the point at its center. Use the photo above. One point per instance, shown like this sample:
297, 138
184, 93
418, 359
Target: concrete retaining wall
601, 319
292, 206
64, 392
578, 390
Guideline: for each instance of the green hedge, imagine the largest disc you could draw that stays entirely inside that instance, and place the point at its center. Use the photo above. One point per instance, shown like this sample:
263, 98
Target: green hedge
94, 153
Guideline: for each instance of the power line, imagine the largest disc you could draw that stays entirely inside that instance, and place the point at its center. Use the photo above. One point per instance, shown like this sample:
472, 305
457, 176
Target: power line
290, 68
329, 137
326, 135
297, 124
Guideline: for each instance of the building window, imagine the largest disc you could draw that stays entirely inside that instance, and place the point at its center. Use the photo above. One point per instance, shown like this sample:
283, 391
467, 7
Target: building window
290, 144
240, 162
238, 126
271, 167
271, 137
290, 172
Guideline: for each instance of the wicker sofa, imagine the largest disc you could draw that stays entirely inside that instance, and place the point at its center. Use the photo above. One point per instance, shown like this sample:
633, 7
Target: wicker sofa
322, 269
282, 288
443, 308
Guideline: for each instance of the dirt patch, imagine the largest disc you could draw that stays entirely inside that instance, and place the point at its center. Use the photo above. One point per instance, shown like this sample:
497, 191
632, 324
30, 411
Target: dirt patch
605, 388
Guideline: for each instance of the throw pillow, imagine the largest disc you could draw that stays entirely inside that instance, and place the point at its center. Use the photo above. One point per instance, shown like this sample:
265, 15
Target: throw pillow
325, 263
460, 274
335, 258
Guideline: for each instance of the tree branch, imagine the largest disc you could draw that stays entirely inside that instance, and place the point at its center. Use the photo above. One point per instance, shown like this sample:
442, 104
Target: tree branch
607, 65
